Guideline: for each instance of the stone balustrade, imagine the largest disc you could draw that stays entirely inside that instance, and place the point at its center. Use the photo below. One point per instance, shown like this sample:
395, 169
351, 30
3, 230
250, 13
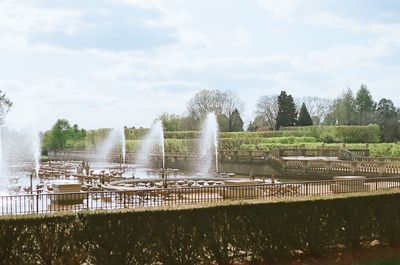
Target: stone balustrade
353, 165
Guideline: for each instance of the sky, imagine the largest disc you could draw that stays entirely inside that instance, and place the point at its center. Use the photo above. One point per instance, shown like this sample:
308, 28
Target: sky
108, 63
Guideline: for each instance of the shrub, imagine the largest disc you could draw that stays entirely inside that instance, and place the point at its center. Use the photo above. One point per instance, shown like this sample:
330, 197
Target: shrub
220, 234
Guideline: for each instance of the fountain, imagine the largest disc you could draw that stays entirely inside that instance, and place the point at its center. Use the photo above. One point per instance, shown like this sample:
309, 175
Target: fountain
22, 147
123, 144
36, 151
208, 147
1, 151
114, 140
153, 143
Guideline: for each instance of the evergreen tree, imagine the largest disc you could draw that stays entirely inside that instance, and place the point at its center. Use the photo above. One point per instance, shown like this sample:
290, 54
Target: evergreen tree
365, 106
286, 111
304, 117
235, 122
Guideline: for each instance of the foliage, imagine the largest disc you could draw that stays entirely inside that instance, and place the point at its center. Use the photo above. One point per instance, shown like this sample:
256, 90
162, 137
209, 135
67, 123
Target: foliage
235, 122
365, 106
341, 134
63, 136
342, 110
5, 105
287, 114
226, 233
388, 118
223, 123
266, 112
304, 117
213, 100
60, 133
169, 121
317, 107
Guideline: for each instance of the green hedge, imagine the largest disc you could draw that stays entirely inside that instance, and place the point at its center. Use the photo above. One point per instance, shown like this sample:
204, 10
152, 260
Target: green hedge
220, 234
391, 150
234, 140
340, 134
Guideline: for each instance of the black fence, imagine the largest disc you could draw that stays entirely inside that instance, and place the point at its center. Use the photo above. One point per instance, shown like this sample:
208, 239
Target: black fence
103, 200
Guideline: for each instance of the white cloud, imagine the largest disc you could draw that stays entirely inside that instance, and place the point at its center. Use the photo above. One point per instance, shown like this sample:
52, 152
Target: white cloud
252, 55
20, 18
285, 9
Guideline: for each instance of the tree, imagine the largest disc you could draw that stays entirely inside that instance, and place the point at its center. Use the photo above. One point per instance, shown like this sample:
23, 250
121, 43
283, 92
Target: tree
304, 117
317, 107
365, 106
286, 111
266, 112
60, 133
188, 123
257, 125
5, 105
223, 123
219, 102
385, 110
170, 121
389, 118
342, 110
235, 122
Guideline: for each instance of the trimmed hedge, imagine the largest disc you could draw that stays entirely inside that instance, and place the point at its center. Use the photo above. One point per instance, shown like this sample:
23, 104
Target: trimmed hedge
234, 140
340, 134
221, 234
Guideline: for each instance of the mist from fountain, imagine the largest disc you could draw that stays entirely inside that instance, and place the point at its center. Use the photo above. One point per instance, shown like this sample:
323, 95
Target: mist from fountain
153, 143
114, 141
123, 144
1, 151
22, 147
208, 147
36, 147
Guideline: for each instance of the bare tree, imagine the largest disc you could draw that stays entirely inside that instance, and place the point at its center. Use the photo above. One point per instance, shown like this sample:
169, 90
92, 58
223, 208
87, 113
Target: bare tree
266, 111
5, 105
220, 102
317, 107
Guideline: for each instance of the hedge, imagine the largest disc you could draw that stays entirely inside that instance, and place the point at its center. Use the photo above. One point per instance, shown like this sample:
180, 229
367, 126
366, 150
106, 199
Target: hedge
225, 233
234, 140
340, 134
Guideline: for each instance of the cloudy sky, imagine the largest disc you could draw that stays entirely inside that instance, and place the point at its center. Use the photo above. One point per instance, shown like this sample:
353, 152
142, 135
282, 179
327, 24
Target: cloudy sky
106, 63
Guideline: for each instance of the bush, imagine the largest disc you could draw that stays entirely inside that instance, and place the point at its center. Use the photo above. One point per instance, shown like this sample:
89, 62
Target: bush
340, 134
219, 234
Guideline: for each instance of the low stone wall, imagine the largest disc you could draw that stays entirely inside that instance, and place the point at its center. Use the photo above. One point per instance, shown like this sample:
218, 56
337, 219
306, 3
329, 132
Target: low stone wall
243, 164
258, 163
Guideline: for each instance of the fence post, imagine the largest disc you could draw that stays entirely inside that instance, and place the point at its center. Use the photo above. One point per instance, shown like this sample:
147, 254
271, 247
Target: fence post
87, 200
381, 168
37, 203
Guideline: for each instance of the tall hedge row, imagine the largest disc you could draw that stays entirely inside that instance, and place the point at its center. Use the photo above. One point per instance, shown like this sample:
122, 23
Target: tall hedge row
234, 140
221, 234
340, 134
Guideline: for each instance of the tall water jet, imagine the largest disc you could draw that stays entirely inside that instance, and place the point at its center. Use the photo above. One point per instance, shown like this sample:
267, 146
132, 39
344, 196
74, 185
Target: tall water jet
36, 151
114, 140
1, 151
153, 143
123, 144
208, 146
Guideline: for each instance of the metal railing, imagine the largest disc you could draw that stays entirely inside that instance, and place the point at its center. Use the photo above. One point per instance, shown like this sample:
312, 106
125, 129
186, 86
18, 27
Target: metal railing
74, 202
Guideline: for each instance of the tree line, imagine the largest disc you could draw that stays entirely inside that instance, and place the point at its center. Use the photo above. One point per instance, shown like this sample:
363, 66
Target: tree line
272, 113
276, 111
